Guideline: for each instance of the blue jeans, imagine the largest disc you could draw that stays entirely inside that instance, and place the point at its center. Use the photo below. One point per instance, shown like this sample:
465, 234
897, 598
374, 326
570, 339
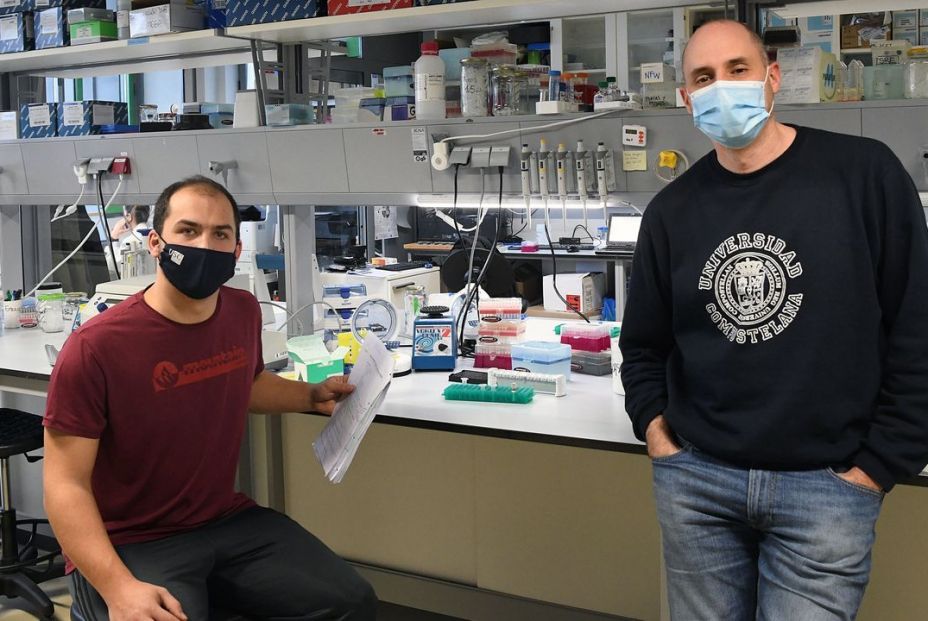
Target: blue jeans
745, 544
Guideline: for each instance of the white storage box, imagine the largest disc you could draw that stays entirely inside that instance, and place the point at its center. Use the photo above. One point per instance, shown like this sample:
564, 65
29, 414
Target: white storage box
584, 292
174, 16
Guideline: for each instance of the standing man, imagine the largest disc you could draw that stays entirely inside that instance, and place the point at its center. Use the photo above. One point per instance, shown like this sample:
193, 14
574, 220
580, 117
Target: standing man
142, 443
775, 347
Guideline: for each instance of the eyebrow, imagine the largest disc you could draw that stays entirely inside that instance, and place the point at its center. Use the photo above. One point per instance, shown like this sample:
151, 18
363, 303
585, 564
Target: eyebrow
197, 225
741, 60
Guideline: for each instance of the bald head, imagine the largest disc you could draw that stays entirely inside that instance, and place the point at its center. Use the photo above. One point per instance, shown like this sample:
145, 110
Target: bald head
722, 42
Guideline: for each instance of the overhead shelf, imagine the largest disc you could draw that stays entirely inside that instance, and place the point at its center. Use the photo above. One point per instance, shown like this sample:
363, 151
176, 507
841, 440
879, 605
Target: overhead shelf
436, 17
186, 50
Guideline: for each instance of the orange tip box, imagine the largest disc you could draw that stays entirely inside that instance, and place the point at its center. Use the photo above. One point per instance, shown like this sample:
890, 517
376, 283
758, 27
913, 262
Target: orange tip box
347, 7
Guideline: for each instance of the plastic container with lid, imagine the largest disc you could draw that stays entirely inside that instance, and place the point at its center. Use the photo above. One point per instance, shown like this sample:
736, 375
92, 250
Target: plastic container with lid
591, 363
500, 309
499, 53
586, 337
916, 73
430, 83
541, 357
493, 356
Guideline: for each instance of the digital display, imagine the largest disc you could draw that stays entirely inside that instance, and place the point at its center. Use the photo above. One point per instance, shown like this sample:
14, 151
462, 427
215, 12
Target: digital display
623, 229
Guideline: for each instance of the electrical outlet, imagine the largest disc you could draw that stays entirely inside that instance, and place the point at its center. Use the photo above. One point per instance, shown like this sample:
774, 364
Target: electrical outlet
99, 165
499, 156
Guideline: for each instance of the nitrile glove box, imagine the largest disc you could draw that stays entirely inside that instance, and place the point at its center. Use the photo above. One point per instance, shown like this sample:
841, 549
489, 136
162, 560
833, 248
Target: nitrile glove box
16, 6
38, 120
85, 118
584, 292
16, 33
244, 12
348, 7
9, 125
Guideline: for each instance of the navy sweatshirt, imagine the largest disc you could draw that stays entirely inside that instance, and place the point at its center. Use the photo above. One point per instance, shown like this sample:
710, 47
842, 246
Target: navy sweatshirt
779, 319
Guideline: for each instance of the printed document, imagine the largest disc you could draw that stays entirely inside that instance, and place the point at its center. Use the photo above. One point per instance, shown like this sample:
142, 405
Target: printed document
336, 446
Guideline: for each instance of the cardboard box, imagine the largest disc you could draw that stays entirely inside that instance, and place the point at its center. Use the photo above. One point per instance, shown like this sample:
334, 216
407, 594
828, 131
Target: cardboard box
173, 16
346, 7
216, 16
893, 52
809, 75
8, 7
41, 5
923, 36
88, 14
860, 35
9, 125
16, 33
51, 29
400, 109
85, 118
584, 292
38, 120
244, 12
93, 31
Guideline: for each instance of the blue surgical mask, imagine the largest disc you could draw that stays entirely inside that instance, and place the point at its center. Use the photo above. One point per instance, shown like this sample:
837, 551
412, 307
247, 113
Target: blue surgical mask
731, 112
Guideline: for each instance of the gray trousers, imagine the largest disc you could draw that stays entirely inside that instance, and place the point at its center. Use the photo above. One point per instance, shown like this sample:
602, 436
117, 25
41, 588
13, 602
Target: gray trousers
258, 563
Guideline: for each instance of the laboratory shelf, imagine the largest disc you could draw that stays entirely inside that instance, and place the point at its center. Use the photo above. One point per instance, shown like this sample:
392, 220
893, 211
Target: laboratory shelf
186, 50
436, 17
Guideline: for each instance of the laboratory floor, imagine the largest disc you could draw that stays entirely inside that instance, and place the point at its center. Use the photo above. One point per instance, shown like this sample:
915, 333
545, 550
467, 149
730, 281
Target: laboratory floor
58, 592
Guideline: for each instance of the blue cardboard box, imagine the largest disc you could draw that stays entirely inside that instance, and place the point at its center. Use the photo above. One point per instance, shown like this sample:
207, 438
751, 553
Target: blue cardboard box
85, 118
16, 6
244, 12
38, 120
16, 33
41, 5
401, 108
215, 11
51, 28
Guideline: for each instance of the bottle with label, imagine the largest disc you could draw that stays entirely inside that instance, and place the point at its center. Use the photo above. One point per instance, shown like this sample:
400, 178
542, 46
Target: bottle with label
600, 96
122, 18
430, 83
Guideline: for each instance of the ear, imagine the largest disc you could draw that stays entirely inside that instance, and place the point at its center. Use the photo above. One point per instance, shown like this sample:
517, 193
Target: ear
154, 244
686, 99
238, 249
775, 77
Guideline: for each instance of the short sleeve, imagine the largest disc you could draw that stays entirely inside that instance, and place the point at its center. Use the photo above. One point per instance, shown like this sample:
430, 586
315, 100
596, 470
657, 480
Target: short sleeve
76, 402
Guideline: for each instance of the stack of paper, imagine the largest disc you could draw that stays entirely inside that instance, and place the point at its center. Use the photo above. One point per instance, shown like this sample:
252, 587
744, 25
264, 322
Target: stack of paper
339, 441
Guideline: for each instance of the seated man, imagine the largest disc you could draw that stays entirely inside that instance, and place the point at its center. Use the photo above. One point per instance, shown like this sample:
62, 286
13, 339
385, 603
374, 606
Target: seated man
142, 444
136, 218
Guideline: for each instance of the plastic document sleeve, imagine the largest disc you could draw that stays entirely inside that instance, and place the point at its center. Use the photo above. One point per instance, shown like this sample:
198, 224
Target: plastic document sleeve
338, 442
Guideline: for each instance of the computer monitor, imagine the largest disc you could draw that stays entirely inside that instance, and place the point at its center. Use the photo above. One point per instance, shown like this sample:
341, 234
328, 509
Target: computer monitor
623, 229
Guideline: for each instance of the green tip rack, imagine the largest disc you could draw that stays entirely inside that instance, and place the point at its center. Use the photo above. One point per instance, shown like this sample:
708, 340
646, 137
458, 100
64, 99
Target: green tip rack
488, 394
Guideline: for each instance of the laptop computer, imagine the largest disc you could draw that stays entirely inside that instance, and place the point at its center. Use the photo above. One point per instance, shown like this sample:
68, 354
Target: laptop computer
623, 232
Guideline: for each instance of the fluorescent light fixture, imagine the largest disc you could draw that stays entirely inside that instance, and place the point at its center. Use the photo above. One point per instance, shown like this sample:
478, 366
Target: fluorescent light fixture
845, 7
515, 202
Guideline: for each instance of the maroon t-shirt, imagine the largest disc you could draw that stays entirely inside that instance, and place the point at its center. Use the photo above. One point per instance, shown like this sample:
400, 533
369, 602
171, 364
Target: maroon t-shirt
168, 403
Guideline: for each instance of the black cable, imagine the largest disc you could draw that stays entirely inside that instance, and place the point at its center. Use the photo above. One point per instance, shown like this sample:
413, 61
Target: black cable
588, 235
554, 276
103, 222
472, 294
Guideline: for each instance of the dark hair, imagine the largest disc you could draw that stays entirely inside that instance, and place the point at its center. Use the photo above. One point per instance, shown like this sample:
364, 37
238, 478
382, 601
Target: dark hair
205, 185
140, 213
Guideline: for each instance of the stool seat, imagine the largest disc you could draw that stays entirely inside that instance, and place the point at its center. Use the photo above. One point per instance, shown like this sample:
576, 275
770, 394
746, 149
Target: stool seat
20, 432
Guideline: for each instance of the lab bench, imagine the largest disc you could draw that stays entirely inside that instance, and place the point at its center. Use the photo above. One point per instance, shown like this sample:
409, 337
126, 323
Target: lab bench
540, 511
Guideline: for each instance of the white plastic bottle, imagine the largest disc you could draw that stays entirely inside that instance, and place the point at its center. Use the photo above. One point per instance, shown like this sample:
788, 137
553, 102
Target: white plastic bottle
430, 83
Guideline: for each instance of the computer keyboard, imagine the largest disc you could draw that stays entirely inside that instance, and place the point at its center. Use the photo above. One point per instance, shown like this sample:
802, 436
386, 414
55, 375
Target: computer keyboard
557, 246
401, 267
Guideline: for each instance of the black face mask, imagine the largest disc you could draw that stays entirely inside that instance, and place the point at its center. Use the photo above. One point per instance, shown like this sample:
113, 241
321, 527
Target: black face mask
196, 272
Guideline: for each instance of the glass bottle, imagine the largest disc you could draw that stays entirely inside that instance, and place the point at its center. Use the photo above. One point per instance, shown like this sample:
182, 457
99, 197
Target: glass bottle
600, 96
841, 82
612, 90
475, 80
916, 73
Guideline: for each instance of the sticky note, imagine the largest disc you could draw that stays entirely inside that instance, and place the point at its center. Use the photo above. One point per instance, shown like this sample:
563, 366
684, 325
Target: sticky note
634, 160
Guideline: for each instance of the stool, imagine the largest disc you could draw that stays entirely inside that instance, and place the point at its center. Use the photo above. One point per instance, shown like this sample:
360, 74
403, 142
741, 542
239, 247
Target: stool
22, 568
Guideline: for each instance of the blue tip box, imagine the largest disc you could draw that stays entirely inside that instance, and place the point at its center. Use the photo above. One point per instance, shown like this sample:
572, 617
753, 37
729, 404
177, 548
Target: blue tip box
244, 12
16, 6
51, 28
85, 118
38, 120
17, 33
